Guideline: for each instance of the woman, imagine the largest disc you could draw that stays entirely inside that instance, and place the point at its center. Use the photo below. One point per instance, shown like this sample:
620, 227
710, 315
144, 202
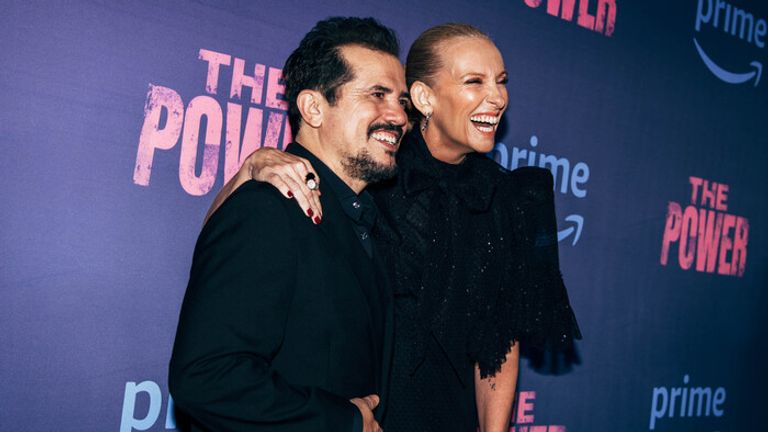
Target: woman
472, 247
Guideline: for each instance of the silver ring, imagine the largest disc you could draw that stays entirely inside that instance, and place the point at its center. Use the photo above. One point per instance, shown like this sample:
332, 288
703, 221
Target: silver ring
311, 182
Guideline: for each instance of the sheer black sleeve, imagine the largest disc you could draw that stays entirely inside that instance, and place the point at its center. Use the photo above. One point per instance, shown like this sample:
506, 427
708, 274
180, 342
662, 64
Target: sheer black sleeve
532, 304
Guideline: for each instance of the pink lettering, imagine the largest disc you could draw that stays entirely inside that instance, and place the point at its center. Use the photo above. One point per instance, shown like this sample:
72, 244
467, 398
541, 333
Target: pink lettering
585, 19
199, 107
553, 7
153, 136
166, 122
525, 407
708, 194
741, 237
724, 267
606, 17
695, 185
603, 22
234, 155
276, 87
536, 428
671, 229
240, 80
214, 60
722, 196
688, 232
274, 125
710, 224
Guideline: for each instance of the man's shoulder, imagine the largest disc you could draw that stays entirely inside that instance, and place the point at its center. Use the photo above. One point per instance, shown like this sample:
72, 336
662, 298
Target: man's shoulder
254, 193
257, 202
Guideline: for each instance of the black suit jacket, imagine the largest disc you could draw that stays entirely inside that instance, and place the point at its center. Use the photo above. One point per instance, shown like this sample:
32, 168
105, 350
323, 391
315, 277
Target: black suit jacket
278, 328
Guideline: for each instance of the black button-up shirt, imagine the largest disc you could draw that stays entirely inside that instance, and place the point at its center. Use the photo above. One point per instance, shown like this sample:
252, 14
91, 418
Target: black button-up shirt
359, 208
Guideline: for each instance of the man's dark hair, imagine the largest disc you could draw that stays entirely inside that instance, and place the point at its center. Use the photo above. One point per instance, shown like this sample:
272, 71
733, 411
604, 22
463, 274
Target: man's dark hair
317, 63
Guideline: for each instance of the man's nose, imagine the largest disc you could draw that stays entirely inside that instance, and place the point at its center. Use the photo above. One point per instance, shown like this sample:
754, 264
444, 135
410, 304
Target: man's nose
395, 114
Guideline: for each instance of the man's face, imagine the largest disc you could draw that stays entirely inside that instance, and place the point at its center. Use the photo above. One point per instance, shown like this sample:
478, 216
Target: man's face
368, 121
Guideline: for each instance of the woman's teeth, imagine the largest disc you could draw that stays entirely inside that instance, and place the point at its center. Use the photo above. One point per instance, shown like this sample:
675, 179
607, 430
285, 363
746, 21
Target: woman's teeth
485, 123
485, 119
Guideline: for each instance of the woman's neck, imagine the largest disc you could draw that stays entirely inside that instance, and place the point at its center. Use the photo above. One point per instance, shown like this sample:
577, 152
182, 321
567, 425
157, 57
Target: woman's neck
443, 151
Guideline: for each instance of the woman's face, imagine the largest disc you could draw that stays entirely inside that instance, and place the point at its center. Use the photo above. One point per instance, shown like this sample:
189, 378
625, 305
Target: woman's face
470, 95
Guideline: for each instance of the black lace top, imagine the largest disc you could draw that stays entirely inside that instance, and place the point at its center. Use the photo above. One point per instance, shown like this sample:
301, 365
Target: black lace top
473, 250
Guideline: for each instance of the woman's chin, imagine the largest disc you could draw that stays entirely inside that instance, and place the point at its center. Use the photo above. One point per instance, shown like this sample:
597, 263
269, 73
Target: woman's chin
481, 142
483, 146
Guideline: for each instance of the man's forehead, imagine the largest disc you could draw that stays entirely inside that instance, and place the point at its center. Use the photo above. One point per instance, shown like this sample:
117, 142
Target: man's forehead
365, 61
361, 51
374, 68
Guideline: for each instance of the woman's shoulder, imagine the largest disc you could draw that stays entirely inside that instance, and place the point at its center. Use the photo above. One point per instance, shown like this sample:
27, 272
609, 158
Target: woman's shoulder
528, 183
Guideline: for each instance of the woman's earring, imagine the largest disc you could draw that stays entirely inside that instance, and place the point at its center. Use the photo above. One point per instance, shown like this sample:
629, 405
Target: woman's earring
426, 122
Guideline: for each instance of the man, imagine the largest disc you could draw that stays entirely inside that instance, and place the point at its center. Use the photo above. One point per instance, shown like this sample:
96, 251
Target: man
284, 326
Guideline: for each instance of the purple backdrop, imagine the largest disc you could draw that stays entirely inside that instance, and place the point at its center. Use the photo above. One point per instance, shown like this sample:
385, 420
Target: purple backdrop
120, 121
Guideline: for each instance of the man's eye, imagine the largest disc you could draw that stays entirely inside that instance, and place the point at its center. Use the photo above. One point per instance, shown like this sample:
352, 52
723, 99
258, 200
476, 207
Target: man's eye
405, 103
378, 95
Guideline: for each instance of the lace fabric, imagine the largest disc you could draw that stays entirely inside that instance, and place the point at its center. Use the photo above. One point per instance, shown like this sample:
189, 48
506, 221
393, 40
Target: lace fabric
472, 250
474, 253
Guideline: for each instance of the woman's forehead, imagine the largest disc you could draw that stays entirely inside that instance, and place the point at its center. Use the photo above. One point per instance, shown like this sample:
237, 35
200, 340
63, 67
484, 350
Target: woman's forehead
470, 54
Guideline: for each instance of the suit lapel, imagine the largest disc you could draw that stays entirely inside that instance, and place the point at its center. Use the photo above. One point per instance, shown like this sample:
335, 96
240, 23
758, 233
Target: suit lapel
336, 226
371, 275
338, 232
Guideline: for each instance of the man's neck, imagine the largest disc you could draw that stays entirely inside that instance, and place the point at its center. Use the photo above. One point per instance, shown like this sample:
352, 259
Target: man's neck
331, 159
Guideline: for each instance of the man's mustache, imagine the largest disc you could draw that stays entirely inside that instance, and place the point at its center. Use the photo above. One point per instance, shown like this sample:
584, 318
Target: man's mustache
387, 127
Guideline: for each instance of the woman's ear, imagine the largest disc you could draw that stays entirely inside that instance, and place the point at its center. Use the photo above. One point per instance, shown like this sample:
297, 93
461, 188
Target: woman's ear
311, 105
422, 98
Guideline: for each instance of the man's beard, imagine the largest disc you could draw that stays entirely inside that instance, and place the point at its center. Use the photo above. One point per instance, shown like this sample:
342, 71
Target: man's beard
363, 167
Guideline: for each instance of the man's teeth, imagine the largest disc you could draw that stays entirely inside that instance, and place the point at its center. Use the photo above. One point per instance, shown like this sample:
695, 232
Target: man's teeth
485, 119
384, 137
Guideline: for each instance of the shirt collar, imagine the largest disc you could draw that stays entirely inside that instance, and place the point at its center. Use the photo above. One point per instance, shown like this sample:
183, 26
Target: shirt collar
358, 207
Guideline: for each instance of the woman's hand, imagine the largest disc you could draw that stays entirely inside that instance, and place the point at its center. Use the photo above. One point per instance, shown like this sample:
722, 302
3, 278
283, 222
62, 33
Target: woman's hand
284, 171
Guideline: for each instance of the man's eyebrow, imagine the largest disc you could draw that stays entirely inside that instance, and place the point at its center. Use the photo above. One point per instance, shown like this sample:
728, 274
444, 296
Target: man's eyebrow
387, 90
381, 88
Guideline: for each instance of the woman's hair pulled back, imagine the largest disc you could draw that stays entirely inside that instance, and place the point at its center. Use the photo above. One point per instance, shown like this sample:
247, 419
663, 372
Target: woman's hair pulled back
424, 59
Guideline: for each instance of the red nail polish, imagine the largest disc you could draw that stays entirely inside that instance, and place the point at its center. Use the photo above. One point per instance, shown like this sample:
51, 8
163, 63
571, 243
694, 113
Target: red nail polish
317, 220
310, 213
290, 194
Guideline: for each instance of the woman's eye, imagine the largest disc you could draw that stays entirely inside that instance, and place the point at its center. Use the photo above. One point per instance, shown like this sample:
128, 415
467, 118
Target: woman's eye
504, 81
474, 81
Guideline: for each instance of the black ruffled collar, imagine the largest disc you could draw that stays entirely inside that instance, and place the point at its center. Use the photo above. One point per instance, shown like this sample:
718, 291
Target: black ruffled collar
470, 181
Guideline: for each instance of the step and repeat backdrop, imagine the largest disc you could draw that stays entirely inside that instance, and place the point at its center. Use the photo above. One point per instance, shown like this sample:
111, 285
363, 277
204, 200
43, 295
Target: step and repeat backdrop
121, 120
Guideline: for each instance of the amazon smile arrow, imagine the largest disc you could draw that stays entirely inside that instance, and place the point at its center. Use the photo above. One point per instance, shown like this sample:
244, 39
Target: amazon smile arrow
727, 76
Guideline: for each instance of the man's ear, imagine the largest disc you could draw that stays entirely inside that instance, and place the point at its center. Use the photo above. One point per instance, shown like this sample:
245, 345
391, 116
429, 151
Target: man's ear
311, 105
422, 98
